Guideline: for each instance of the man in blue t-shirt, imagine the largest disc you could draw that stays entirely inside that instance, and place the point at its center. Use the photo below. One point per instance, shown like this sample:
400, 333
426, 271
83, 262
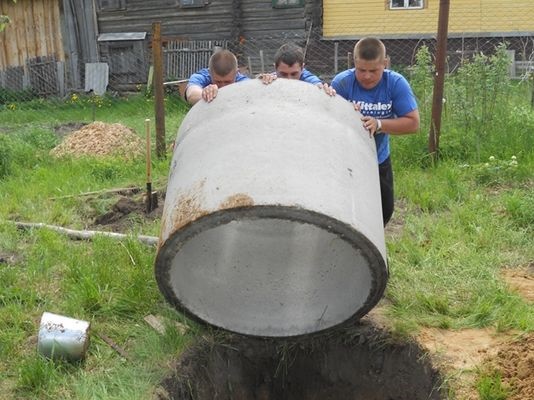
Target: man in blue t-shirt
289, 64
221, 71
387, 103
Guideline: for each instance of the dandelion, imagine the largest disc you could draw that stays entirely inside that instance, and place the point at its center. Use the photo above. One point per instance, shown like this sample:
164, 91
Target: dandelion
514, 158
492, 158
12, 106
486, 164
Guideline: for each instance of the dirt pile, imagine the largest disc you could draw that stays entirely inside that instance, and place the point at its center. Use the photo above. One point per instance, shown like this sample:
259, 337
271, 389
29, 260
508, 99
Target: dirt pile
101, 139
515, 362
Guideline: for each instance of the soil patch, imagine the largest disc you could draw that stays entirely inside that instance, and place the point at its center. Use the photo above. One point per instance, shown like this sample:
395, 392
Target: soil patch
360, 363
126, 211
9, 258
515, 362
101, 139
521, 280
463, 349
67, 128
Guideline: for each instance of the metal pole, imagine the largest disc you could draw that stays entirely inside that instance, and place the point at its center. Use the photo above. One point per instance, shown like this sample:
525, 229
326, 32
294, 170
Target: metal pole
157, 59
148, 168
437, 100
336, 49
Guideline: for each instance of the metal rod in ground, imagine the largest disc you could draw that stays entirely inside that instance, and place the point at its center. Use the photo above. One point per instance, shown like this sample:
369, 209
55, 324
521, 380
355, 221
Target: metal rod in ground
148, 168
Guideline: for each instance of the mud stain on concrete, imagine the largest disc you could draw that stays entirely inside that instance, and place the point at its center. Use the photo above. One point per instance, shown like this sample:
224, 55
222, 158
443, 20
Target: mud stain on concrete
237, 200
189, 208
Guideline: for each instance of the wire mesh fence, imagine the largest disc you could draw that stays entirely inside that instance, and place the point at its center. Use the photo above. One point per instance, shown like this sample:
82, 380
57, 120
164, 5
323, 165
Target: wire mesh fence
130, 71
56, 84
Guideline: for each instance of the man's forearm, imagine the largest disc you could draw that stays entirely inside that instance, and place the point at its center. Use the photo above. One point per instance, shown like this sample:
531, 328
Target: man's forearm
193, 94
402, 125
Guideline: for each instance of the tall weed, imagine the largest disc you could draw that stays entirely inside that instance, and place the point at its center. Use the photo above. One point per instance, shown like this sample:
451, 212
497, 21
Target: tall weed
478, 98
484, 113
421, 80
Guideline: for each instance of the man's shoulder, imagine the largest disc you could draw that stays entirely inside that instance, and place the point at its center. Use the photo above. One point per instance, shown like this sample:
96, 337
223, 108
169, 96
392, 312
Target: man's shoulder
344, 75
241, 77
393, 75
200, 78
307, 76
202, 72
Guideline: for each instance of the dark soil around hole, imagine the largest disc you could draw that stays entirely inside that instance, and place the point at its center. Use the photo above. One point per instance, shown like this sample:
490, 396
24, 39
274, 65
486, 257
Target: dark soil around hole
360, 363
126, 210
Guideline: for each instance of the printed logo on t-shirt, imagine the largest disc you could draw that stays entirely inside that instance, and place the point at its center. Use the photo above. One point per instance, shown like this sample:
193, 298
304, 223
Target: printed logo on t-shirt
375, 109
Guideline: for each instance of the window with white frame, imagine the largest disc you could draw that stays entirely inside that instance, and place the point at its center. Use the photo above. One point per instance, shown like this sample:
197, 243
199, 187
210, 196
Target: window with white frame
405, 4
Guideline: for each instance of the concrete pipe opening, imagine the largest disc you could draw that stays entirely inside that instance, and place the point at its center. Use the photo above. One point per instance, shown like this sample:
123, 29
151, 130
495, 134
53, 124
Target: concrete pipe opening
272, 223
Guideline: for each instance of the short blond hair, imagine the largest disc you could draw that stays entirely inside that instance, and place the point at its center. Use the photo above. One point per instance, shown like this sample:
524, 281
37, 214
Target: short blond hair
222, 62
369, 49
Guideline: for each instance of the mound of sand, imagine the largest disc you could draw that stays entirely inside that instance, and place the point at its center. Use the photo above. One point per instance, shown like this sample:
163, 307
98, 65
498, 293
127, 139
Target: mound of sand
101, 139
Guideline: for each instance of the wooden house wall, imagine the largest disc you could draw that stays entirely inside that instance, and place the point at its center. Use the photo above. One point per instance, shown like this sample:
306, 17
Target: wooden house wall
34, 32
79, 38
219, 19
31, 49
510, 16
253, 29
350, 20
212, 21
260, 19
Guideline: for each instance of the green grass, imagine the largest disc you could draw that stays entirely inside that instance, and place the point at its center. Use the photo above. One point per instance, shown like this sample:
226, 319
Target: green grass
491, 387
108, 283
463, 220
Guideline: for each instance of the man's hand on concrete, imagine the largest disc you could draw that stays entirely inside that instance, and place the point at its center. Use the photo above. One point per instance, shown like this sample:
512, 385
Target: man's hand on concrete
210, 92
329, 90
267, 78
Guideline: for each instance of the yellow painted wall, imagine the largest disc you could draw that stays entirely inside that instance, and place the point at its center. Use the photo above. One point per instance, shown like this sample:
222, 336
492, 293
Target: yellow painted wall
342, 18
34, 31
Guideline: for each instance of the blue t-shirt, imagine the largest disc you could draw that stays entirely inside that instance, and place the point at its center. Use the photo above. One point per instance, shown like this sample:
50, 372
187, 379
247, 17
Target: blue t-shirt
202, 78
392, 97
308, 77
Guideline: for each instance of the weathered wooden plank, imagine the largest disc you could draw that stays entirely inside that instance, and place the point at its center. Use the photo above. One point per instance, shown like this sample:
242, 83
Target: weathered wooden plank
48, 27
9, 43
40, 33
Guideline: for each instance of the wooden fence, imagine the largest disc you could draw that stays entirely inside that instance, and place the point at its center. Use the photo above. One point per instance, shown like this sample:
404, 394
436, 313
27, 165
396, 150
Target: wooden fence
183, 58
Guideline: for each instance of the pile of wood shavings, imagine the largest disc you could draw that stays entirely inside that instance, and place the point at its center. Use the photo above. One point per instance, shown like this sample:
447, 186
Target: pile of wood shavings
101, 139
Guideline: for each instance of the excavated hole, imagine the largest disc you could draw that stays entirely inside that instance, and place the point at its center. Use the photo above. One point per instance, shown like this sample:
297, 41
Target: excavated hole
362, 362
